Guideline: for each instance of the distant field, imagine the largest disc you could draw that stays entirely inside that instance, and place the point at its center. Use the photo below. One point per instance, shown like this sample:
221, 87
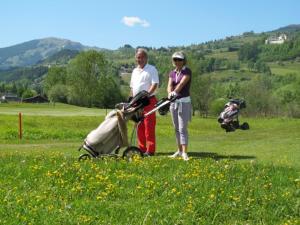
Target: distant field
231, 75
285, 68
58, 109
244, 74
226, 55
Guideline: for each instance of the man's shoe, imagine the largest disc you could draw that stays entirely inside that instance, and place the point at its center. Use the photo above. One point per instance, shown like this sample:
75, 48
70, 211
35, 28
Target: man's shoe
148, 154
185, 156
176, 154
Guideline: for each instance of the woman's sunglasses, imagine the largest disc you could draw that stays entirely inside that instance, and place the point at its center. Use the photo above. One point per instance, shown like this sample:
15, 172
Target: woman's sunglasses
177, 59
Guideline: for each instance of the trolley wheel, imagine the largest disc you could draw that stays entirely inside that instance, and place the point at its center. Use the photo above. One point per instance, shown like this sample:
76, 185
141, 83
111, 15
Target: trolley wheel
84, 157
245, 126
227, 127
132, 153
235, 124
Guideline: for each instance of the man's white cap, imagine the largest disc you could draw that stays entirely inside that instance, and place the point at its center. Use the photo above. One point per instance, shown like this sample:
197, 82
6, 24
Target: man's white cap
178, 55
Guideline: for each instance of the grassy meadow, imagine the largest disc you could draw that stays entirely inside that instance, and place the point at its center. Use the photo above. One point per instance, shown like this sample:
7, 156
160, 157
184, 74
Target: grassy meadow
285, 68
243, 177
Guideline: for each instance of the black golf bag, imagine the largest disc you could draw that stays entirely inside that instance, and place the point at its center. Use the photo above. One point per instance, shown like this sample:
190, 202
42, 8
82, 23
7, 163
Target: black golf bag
229, 116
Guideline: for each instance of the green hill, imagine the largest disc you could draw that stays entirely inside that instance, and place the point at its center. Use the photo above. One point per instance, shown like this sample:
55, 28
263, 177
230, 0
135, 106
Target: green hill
31, 73
60, 58
289, 28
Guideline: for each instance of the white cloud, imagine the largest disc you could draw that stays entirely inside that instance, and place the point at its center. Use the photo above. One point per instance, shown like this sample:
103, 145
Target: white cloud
131, 21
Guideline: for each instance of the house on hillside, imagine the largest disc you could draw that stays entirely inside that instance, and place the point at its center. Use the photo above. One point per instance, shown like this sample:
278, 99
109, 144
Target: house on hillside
9, 98
276, 39
35, 99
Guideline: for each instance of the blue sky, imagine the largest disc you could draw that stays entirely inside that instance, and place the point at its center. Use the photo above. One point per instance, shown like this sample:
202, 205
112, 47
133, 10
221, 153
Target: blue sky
154, 23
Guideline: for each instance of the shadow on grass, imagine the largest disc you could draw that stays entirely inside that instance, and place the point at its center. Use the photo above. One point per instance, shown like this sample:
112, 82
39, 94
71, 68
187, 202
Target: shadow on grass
212, 155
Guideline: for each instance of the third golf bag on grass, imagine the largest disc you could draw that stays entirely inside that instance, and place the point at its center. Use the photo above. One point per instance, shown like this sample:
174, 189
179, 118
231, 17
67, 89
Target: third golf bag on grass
229, 116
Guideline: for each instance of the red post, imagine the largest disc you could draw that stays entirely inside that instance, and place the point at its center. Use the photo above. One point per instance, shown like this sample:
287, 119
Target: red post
20, 125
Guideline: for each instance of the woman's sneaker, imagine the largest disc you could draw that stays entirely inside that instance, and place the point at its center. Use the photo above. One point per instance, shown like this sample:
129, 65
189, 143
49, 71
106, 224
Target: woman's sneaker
185, 156
176, 154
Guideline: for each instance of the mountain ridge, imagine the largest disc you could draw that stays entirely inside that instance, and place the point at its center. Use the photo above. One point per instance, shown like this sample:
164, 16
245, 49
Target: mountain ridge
34, 52
288, 28
31, 52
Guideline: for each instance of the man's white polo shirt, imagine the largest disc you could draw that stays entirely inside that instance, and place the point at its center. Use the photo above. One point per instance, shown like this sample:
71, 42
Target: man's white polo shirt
142, 79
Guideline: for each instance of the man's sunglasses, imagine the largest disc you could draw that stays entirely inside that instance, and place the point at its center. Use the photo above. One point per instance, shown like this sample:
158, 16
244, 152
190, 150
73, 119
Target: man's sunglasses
177, 59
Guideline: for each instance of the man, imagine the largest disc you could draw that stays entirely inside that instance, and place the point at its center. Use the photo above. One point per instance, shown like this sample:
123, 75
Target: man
145, 77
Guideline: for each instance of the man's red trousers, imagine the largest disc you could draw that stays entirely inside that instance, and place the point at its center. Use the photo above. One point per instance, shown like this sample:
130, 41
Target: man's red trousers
146, 129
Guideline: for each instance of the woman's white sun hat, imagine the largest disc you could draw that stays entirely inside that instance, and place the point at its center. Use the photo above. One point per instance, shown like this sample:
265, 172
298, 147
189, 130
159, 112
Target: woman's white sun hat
178, 55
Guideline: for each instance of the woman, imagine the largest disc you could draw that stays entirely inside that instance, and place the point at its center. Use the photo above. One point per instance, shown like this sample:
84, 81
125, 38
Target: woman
179, 88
